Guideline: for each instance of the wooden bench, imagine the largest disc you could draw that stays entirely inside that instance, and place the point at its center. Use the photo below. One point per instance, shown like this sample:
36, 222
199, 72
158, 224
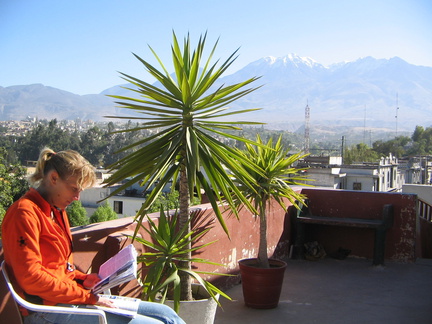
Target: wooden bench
303, 217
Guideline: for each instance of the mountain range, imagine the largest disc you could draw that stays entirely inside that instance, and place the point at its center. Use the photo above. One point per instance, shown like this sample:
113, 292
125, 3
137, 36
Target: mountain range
369, 92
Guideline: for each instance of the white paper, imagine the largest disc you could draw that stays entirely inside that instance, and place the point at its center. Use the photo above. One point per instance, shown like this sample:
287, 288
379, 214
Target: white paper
125, 305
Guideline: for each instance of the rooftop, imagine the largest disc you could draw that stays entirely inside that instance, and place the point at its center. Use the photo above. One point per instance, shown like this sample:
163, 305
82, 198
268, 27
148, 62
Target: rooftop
333, 291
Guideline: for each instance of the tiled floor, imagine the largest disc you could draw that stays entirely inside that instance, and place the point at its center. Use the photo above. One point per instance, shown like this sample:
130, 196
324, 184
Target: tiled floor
349, 291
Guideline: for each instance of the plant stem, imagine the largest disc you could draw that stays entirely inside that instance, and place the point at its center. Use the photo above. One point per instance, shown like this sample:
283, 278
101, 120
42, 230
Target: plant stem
185, 279
262, 249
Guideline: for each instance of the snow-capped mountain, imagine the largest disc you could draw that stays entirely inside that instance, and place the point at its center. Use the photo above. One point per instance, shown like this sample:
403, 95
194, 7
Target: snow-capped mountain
368, 92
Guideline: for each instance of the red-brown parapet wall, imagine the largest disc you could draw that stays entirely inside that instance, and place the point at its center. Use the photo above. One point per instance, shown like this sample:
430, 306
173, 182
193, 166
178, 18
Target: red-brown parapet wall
95, 243
401, 237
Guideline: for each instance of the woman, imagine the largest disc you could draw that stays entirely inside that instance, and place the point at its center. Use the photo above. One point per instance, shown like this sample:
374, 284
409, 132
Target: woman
37, 244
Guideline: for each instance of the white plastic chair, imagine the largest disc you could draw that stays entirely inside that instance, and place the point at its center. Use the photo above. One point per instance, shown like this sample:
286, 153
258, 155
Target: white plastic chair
50, 309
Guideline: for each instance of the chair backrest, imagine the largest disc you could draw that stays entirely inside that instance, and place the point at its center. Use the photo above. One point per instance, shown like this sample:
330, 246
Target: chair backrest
50, 309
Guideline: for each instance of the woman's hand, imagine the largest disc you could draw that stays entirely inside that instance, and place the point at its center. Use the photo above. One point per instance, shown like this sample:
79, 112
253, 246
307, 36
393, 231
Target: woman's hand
105, 302
91, 280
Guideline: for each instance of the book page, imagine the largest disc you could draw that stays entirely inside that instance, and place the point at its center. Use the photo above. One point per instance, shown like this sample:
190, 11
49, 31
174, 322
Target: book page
121, 268
118, 261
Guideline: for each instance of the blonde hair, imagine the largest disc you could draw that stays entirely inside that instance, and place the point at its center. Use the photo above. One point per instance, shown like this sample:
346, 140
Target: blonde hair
66, 163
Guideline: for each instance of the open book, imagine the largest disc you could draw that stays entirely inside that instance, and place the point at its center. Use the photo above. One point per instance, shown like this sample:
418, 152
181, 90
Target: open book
126, 306
121, 268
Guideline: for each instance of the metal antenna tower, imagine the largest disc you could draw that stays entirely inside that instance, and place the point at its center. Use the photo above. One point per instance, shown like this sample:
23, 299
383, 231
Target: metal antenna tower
397, 109
307, 138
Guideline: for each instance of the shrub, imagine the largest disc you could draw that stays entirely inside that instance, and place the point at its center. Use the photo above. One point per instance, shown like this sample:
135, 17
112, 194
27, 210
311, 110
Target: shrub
103, 213
77, 214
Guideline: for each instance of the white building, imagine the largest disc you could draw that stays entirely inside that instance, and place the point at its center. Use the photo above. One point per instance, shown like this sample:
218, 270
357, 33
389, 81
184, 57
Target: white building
126, 203
330, 172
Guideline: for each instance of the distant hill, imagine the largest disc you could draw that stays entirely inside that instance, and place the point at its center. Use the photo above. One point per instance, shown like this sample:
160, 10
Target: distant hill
366, 93
37, 100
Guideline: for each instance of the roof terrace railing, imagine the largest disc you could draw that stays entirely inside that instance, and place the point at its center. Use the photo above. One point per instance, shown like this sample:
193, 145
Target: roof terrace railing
425, 210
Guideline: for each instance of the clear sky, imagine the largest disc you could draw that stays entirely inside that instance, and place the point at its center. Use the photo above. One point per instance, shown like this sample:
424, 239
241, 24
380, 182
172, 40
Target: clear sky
80, 45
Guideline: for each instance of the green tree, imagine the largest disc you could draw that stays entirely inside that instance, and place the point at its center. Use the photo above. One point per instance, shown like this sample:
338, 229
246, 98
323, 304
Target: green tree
118, 141
13, 183
418, 133
77, 214
395, 146
9, 145
2, 213
51, 135
422, 141
94, 145
184, 112
169, 201
103, 213
360, 153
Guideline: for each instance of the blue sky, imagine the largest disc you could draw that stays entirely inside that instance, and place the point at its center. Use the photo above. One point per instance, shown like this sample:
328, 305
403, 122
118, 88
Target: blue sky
80, 45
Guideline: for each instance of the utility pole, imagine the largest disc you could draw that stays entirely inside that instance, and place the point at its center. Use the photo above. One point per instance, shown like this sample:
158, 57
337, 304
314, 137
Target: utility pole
306, 135
342, 148
364, 126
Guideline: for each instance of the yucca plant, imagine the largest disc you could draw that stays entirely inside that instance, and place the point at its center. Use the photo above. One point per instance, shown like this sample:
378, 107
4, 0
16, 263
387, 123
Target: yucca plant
185, 112
169, 248
273, 180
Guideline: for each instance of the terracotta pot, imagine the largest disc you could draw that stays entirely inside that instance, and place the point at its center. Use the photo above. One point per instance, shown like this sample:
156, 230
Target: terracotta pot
262, 287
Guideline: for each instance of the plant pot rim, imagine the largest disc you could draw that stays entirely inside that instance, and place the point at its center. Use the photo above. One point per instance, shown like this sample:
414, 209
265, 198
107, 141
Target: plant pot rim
199, 294
274, 262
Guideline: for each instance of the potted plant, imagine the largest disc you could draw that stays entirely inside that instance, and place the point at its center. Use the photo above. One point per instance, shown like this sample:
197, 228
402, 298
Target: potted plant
188, 145
169, 247
273, 174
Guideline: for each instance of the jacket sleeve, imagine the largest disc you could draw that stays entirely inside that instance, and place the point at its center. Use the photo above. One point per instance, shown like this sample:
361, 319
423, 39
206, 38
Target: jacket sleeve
53, 283
80, 275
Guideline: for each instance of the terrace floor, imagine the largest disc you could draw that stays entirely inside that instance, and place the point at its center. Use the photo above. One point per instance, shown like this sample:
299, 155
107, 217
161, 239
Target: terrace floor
351, 291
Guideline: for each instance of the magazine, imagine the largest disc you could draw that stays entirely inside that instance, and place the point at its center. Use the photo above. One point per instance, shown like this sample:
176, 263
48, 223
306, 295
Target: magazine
121, 268
126, 306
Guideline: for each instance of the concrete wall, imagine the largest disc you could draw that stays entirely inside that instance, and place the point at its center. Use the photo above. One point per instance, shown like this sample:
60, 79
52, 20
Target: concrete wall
424, 192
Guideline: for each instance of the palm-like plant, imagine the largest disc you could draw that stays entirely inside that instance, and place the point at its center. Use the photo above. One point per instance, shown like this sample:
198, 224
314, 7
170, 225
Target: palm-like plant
273, 174
188, 141
169, 246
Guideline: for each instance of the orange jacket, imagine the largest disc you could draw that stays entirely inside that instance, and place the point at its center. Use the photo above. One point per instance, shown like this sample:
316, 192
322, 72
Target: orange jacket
38, 248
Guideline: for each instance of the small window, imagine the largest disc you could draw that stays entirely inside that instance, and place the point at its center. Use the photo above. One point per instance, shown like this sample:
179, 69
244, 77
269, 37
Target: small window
118, 207
357, 186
